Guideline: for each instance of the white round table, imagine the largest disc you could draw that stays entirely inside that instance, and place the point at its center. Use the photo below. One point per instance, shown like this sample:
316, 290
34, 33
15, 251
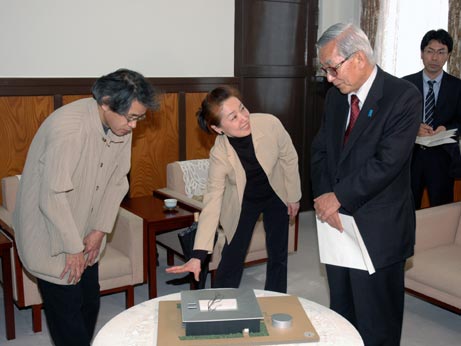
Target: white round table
137, 326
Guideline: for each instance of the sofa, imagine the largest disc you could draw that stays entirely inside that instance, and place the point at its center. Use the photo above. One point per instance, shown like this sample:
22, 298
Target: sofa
186, 181
120, 266
434, 272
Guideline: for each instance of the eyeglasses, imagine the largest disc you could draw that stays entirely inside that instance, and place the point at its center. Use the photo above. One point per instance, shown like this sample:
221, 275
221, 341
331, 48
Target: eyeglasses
439, 53
134, 117
333, 70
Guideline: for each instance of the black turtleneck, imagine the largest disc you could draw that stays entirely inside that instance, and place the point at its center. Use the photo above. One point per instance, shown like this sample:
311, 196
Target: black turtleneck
257, 186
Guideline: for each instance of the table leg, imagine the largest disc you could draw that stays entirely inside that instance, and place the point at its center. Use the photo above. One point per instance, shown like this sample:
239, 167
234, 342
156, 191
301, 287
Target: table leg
8, 294
152, 254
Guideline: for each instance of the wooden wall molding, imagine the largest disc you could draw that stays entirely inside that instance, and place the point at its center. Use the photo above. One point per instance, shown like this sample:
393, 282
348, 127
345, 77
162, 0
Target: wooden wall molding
82, 86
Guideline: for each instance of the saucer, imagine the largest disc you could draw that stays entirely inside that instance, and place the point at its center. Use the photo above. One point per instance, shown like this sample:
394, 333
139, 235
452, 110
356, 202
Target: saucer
170, 210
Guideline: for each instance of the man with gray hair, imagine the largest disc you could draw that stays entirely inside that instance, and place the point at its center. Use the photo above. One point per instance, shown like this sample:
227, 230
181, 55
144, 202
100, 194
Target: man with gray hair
361, 167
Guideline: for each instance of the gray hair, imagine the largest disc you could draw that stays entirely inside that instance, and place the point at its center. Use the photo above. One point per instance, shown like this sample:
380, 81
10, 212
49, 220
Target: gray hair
350, 39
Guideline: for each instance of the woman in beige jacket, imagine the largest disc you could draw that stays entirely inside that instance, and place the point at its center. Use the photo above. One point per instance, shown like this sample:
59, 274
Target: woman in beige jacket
253, 170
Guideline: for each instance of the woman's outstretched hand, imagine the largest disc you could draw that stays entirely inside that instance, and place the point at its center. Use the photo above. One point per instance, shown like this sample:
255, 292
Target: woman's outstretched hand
193, 266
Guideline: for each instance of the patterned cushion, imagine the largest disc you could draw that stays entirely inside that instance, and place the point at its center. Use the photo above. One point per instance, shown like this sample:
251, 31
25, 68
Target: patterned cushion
195, 175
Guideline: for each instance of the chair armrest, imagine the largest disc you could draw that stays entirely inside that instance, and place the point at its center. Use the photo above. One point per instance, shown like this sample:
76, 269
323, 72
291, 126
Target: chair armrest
437, 226
184, 201
127, 237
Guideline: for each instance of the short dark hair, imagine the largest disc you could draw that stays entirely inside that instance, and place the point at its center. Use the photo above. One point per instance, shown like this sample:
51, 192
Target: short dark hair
440, 35
119, 89
208, 113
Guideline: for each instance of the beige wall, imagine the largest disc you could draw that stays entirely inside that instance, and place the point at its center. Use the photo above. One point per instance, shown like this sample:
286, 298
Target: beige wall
88, 38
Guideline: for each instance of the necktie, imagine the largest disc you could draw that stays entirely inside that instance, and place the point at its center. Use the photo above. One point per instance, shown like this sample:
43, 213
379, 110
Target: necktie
355, 110
429, 104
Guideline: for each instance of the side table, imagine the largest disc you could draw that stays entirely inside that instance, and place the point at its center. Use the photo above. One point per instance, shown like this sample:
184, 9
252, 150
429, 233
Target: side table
5, 253
155, 220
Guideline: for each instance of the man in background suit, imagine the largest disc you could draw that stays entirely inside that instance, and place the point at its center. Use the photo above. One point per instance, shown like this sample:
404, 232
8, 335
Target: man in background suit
431, 165
366, 175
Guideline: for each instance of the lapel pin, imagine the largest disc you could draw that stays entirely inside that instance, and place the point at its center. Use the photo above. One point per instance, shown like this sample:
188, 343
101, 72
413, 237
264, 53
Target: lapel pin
370, 113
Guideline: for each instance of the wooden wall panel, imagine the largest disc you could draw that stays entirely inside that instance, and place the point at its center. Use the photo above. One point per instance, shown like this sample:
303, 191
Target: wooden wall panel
198, 142
20, 117
155, 143
275, 27
282, 97
66, 99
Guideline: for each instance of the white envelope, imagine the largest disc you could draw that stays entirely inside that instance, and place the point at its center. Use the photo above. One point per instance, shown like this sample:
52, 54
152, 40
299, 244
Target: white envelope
344, 249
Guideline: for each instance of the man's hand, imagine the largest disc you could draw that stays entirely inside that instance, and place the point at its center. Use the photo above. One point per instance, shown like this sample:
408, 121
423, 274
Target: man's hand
425, 130
75, 265
335, 222
326, 207
193, 266
92, 244
293, 209
440, 129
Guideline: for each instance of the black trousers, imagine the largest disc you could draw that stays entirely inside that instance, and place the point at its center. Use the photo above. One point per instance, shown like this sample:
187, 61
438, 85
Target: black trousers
71, 310
372, 303
275, 218
430, 168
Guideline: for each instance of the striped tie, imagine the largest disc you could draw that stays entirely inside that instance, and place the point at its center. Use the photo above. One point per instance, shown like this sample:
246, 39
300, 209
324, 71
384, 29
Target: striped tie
429, 104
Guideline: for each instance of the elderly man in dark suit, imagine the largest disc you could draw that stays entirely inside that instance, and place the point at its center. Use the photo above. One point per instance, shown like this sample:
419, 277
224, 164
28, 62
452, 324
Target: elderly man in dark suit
361, 167
442, 111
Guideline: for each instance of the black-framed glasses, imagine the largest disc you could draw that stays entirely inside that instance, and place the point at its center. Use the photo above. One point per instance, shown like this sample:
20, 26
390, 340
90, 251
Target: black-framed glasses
134, 117
333, 70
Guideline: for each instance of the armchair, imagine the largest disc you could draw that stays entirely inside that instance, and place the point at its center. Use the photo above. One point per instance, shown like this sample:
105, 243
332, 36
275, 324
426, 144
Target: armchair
186, 181
434, 272
120, 266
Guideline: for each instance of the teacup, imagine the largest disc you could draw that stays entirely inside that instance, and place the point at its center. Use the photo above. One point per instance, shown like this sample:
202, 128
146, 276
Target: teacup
170, 203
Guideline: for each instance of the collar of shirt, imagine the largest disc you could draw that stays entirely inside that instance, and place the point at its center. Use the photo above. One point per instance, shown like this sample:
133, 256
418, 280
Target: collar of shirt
96, 123
363, 91
437, 85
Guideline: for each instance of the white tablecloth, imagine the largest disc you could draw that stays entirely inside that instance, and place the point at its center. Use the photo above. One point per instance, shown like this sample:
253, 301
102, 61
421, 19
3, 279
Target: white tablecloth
137, 326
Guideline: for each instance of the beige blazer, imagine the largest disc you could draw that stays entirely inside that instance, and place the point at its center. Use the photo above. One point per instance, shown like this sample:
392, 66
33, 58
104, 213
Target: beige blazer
226, 177
73, 182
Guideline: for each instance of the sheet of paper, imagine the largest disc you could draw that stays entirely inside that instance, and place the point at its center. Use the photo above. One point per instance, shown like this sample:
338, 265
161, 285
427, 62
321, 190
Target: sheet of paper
344, 249
440, 138
441, 141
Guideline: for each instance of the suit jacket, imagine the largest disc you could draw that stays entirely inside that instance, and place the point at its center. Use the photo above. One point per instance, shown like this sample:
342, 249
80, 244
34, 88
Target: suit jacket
370, 175
226, 177
448, 106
